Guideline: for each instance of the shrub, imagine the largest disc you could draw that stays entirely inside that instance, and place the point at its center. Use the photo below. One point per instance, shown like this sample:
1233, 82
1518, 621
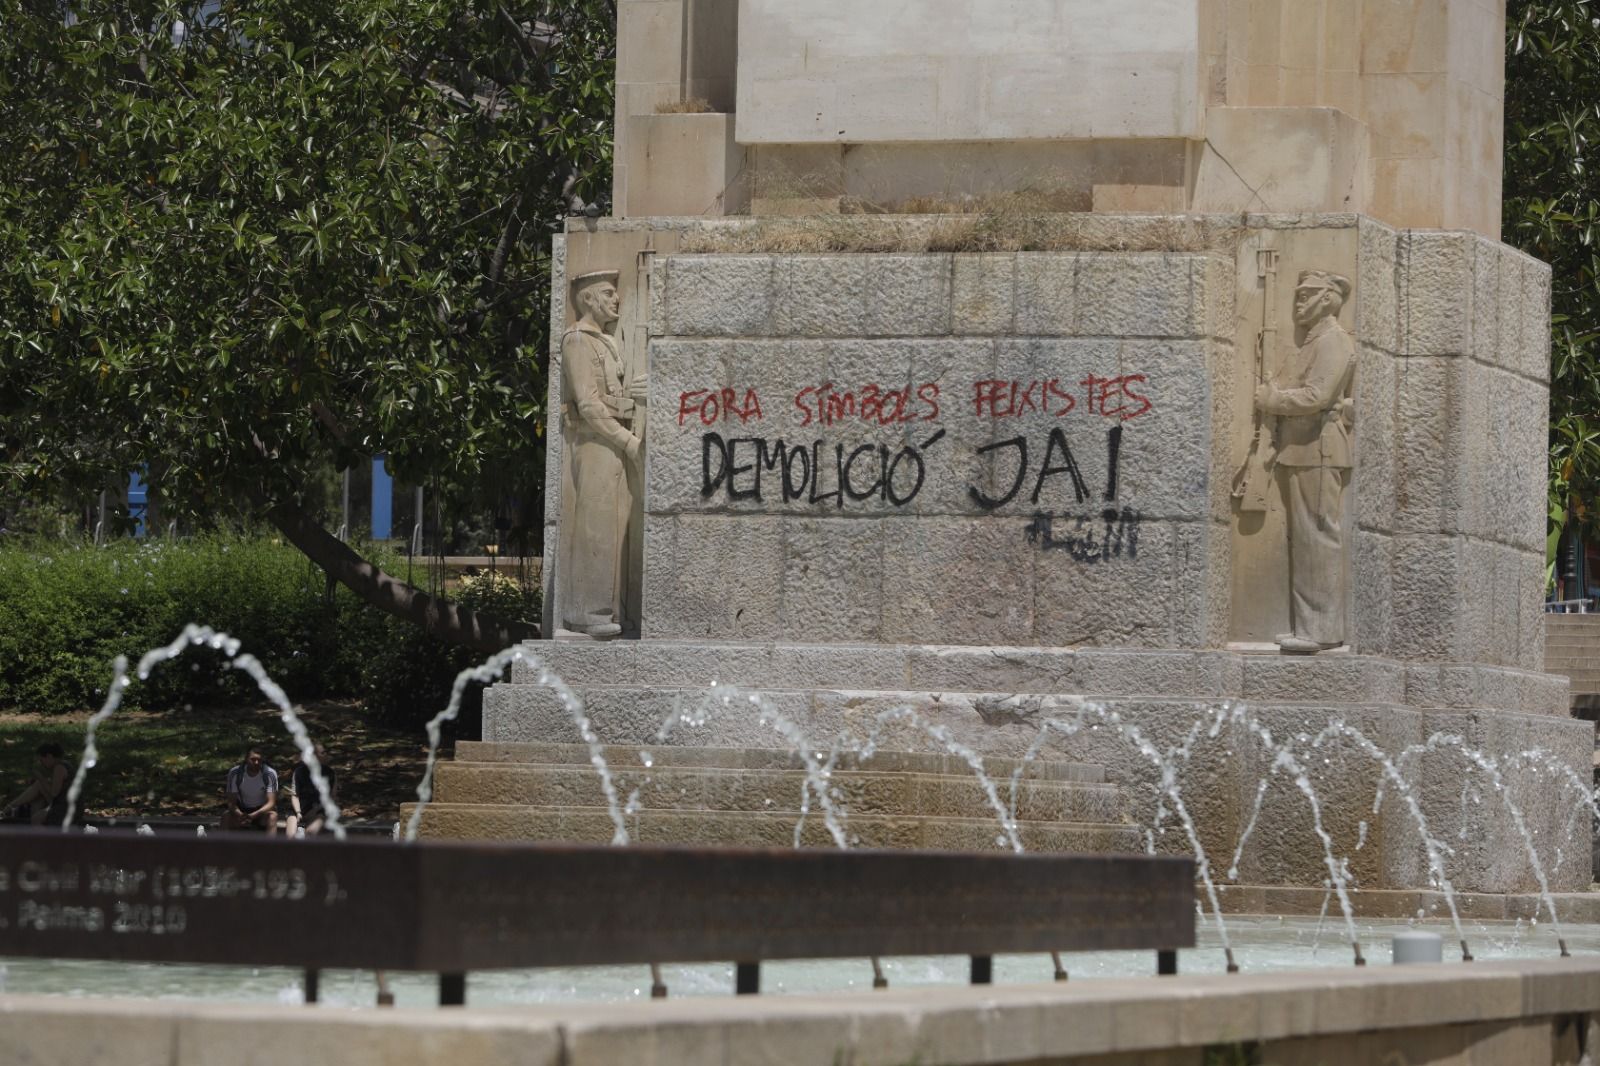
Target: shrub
67, 610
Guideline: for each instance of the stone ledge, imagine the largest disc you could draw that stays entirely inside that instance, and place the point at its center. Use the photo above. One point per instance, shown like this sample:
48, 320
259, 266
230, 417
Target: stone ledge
762, 829
955, 1026
1097, 673
1272, 900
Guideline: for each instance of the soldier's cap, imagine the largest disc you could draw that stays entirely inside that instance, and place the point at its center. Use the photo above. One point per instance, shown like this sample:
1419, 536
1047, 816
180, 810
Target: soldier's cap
583, 281
1322, 279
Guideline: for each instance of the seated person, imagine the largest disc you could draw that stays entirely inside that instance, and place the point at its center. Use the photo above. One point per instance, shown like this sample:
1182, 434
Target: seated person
309, 806
286, 796
252, 793
46, 797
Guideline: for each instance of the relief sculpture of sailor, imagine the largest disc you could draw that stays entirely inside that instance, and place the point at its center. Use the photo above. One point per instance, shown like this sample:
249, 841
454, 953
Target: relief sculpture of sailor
601, 411
1310, 399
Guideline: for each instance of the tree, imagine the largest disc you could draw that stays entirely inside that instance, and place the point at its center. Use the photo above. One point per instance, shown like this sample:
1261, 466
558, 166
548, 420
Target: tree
240, 240
1552, 211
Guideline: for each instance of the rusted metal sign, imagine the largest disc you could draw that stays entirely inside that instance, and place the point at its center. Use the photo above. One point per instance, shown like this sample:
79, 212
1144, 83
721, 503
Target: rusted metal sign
456, 907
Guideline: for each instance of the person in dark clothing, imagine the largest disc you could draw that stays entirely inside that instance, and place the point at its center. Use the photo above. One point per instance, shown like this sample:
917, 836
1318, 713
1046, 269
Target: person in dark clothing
309, 806
46, 798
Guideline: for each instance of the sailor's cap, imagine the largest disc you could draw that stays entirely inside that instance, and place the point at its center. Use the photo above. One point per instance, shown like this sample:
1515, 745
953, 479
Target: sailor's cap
585, 280
1323, 279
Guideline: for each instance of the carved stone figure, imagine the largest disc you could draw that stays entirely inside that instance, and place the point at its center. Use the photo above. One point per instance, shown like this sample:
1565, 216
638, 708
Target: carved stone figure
1310, 399
599, 416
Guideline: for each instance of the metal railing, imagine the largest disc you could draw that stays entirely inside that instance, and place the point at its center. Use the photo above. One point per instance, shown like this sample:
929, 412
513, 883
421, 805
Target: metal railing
452, 907
1580, 606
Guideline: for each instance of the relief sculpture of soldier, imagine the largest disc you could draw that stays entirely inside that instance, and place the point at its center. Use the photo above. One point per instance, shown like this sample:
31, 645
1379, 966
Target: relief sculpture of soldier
1310, 400
602, 416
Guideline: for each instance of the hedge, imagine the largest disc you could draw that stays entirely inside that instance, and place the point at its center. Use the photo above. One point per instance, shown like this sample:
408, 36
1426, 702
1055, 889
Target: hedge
67, 610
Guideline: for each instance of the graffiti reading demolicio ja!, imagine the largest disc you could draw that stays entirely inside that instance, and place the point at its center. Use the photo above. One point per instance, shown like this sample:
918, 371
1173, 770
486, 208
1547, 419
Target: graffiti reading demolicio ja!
812, 470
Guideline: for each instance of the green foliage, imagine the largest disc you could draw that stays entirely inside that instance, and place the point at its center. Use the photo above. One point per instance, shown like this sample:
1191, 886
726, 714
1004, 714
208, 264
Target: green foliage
500, 594
1552, 211
66, 611
1233, 1055
299, 233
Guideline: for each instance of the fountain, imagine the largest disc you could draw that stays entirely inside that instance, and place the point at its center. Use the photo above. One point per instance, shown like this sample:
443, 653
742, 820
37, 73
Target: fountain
962, 442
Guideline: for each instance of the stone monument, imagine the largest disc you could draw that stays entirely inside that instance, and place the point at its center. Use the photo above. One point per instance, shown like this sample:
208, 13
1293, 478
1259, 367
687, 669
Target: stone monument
970, 389
599, 414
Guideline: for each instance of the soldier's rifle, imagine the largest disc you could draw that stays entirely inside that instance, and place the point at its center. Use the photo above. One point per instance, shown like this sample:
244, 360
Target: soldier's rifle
1254, 482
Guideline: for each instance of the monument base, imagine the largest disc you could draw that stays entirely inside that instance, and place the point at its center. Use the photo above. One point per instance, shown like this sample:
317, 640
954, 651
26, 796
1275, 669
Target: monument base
1477, 748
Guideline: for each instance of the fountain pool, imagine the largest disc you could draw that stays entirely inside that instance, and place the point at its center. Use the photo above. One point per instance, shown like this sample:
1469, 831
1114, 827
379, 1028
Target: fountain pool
1261, 945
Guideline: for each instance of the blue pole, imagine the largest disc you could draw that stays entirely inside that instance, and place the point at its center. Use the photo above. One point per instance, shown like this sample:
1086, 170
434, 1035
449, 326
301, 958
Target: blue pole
382, 500
138, 502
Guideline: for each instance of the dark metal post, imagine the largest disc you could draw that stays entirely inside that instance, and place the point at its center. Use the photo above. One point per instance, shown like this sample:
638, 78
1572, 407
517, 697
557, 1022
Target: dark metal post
313, 981
983, 969
658, 987
1167, 963
452, 990
747, 978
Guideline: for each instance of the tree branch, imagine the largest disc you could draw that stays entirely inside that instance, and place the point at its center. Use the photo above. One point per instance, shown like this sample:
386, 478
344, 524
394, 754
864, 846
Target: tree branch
440, 618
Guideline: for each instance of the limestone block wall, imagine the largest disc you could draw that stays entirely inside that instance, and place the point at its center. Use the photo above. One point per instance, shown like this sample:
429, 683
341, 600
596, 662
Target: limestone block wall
1392, 108
1455, 378
963, 449
912, 356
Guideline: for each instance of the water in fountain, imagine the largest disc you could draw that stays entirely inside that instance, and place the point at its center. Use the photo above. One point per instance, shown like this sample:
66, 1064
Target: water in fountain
1078, 715
489, 671
1491, 767
194, 636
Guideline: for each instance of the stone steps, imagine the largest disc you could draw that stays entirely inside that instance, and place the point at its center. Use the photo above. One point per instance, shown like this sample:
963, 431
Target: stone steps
717, 795
860, 792
593, 825
1572, 649
668, 755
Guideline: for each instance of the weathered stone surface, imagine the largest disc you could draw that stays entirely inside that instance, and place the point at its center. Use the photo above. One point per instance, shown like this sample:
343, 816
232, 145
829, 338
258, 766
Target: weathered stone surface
1204, 563
1115, 588
1142, 295
1373, 610
632, 716
956, 581
1435, 285
909, 296
1378, 466
502, 753
1507, 416
1359, 679
1428, 584
820, 296
713, 576
1489, 340
1524, 303
1492, 854
1495, 1013
1163, 436
1377, 309
832, 578
1047, 294
853, 793
1430, 460
983, 294
1044, 671
764, 830
1420, 467
717, 296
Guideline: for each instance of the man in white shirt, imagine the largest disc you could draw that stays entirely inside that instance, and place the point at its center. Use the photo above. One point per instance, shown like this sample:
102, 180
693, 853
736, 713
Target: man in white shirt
252, 790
